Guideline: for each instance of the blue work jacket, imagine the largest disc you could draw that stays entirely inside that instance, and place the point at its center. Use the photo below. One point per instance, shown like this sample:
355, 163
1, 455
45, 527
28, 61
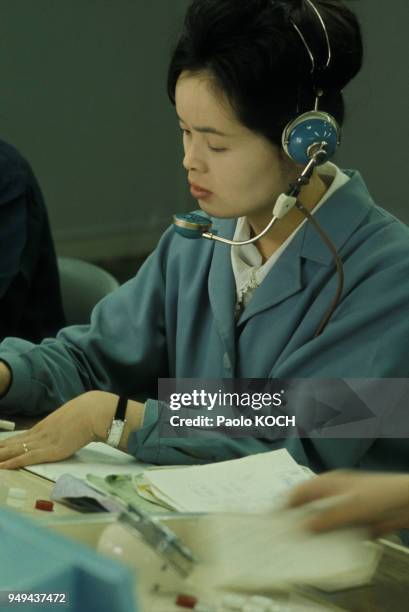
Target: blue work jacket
176, 319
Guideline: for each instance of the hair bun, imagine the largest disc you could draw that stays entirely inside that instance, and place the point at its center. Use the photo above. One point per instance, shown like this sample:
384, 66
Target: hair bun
288, 5
287, 8
258, 60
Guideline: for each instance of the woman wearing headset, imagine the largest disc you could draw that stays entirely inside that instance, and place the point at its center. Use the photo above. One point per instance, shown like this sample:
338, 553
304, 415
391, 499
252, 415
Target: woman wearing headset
240, 73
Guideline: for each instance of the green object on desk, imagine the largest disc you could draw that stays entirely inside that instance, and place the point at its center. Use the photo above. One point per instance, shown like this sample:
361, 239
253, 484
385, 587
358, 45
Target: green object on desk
122, 486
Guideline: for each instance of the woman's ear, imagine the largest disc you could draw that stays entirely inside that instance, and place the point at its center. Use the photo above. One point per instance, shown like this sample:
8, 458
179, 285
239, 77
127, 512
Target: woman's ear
291, 169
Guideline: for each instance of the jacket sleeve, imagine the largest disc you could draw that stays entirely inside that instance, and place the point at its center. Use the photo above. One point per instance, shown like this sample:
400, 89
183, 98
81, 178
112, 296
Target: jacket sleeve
151, 446
122, 350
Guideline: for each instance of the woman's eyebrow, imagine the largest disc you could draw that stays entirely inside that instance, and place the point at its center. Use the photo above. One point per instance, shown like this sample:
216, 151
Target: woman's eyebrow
205, 129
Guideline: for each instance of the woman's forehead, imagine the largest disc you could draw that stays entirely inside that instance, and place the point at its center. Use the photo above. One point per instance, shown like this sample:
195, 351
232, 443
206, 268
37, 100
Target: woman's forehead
199, 99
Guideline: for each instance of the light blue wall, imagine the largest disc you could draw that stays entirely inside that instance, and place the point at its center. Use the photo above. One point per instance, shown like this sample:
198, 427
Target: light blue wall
82, 94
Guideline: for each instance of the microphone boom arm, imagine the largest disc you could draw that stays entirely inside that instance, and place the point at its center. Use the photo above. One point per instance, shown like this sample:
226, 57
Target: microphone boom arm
284, 203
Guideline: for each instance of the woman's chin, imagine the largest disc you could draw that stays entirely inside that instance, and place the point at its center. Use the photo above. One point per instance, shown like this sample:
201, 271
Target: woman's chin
214, 211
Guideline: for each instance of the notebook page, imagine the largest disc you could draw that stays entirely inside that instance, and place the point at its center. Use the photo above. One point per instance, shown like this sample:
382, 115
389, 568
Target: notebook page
257, 483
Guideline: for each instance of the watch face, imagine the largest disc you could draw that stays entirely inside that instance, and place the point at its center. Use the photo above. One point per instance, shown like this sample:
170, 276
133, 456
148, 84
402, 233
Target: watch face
115, 432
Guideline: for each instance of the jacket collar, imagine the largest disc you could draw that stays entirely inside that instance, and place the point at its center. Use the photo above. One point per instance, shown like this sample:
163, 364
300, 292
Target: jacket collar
343, 212
339, 217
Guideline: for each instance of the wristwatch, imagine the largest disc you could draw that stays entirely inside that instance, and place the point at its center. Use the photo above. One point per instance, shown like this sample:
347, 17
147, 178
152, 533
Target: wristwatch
118, 423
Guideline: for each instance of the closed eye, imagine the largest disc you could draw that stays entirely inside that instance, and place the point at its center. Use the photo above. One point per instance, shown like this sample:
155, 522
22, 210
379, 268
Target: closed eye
214, 149
217, 150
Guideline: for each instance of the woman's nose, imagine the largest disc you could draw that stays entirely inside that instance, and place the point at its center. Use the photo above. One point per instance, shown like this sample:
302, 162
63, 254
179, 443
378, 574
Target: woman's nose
192, 159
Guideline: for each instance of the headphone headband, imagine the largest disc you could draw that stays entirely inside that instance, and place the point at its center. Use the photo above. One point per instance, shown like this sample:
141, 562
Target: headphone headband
304, 42
304, 134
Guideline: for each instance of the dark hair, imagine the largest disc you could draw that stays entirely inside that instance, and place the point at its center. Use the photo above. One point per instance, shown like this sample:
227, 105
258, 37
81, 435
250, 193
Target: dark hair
255, 56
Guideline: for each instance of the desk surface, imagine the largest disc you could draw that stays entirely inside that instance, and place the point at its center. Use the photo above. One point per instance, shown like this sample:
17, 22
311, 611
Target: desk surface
389, 591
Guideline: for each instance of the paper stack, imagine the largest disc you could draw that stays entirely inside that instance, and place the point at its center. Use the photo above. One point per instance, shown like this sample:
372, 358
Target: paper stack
256, 484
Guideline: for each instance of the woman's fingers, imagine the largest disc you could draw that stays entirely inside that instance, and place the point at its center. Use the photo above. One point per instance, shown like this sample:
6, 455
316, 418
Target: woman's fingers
17, 445
20, 460
33, 451
307, 492
10, 452
379, 501
340, 515
60, 434
317, 488
27, 449
391, 521
11, 440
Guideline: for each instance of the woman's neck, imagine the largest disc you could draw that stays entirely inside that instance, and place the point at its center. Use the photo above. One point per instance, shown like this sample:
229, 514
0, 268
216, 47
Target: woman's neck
309, 197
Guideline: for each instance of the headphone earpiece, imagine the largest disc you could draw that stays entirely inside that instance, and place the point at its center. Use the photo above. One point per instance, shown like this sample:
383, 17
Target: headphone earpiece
305, 134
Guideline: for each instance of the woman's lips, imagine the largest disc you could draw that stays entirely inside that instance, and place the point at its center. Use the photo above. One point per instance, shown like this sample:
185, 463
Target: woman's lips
198, 192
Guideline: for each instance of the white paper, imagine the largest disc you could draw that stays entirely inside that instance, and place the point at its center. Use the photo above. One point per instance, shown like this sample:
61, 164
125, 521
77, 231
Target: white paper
95, 458
257, 483
262, 551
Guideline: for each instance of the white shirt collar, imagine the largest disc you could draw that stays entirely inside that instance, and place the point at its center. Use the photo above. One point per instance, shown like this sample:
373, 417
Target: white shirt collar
248, 268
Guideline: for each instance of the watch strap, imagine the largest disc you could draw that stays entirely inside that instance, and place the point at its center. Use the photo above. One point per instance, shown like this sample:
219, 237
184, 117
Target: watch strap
121, 408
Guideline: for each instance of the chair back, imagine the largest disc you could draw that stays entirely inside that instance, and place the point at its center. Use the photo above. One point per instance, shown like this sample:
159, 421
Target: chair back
83, 285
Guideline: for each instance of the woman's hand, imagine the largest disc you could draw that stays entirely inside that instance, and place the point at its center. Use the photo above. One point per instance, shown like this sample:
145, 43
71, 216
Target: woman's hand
84, 419
377, 500
5, 377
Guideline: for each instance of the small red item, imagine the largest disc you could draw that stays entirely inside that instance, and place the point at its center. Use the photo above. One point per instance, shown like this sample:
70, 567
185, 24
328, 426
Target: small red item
44, 504
186, 601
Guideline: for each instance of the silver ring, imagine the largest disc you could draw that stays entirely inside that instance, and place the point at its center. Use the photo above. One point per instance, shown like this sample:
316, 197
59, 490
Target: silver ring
25, 447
